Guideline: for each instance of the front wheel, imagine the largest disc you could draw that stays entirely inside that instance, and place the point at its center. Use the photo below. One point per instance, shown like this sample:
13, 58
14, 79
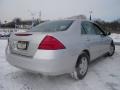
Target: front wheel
81, 67
111, 49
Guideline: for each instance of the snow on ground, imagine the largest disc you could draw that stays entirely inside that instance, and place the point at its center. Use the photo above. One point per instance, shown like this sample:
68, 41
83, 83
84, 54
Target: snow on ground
116, 37
103, 74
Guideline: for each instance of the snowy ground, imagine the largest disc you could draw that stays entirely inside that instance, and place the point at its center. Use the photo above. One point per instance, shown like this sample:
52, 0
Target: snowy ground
116, 38
103, 74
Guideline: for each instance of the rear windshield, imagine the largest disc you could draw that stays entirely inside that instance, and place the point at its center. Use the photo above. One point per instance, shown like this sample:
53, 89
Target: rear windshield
53, 26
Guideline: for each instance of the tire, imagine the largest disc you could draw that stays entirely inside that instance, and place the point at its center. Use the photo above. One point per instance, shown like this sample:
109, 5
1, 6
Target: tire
81, 67
111, 49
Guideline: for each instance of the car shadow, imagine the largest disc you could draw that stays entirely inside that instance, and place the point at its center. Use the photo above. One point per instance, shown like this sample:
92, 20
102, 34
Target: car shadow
98, 60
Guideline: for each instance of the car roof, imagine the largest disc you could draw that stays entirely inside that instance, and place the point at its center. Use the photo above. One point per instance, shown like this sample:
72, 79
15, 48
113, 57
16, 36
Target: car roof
76, 20
80, 20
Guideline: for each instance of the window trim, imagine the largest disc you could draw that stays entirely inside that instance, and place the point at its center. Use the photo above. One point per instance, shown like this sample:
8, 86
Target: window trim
94, 25
99, 28
83, 29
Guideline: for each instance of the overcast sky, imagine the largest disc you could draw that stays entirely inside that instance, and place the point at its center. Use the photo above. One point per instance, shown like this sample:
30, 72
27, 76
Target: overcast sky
52, 9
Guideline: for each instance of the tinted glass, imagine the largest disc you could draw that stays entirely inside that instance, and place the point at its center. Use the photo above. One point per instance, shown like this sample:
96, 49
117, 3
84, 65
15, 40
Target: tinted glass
53, 26
89, 28
98, 30
83, 30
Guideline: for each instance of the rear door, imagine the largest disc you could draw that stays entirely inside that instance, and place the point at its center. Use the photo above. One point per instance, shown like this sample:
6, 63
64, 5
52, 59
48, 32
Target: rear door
94, 40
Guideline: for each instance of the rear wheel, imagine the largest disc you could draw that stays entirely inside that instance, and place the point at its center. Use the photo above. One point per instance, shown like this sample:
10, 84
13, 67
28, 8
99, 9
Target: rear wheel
111, 49
81, 67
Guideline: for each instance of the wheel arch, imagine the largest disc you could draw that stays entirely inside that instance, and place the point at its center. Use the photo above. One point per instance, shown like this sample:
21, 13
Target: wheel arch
112, 42
83, 51
87, 52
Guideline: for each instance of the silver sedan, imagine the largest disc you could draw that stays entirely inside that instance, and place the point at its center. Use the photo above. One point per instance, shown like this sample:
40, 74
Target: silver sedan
59, 47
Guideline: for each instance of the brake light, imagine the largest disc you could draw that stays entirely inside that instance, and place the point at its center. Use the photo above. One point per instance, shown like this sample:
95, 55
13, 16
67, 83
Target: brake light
50, 43
23, 34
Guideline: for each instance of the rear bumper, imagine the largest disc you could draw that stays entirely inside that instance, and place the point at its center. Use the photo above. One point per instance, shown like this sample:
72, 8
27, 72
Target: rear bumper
44, 62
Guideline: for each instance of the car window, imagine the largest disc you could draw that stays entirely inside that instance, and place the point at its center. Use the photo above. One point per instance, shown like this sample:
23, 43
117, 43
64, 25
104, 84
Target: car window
53, 26
98, 29
89, 28
83, 30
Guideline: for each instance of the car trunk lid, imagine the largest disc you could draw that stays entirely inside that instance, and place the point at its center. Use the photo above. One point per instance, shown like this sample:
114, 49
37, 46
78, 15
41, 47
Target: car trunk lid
25, 43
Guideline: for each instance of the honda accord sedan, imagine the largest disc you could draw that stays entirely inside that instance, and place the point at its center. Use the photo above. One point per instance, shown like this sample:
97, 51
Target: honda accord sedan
59, 47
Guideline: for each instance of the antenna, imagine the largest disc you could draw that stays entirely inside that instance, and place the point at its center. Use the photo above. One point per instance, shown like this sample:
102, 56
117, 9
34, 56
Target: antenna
90, 15
40, 16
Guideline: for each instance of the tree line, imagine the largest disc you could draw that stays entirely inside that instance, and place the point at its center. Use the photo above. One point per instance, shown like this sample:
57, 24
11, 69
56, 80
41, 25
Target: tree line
113, 27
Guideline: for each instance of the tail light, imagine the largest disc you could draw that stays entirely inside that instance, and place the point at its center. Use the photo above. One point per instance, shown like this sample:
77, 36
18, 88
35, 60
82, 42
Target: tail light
50, 43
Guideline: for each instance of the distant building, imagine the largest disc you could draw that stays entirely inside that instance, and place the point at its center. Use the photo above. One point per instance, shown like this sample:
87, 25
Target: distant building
21, 24
27, 24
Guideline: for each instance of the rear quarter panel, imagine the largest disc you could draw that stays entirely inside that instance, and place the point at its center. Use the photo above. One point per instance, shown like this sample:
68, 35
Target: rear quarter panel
72, 40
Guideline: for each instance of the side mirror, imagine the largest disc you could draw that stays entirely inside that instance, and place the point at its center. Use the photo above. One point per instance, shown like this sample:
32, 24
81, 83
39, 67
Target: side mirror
108, 33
